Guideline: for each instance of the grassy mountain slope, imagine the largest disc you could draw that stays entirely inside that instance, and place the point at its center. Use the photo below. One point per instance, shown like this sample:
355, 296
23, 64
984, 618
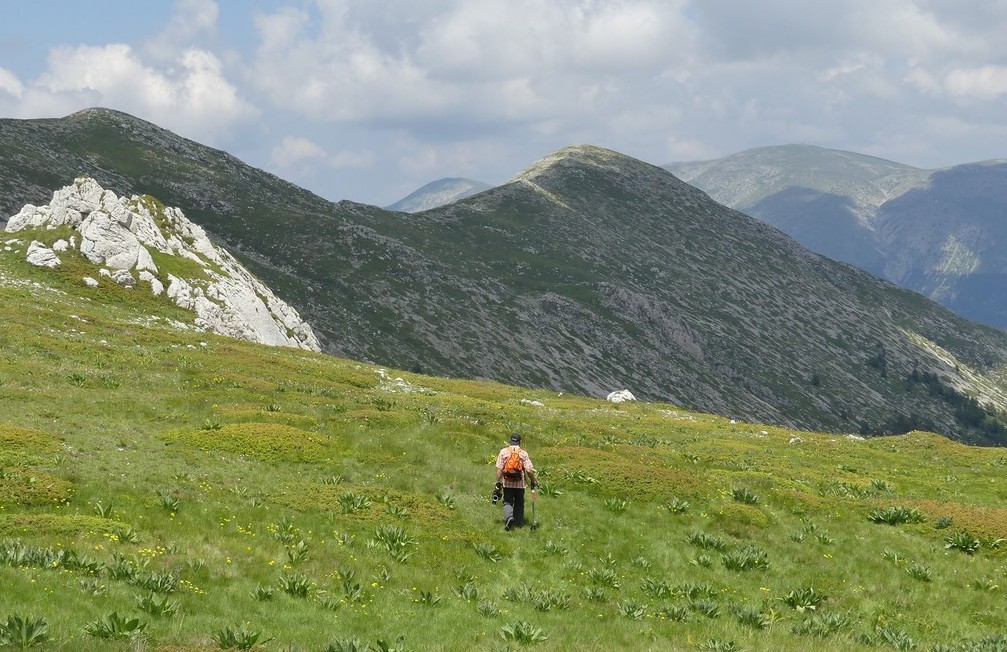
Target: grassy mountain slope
647, 283
937, 232
215, 490
589, 272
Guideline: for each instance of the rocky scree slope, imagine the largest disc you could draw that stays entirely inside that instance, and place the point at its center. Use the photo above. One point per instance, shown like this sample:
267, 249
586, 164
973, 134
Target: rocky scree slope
128, 240
938, 232
588, 272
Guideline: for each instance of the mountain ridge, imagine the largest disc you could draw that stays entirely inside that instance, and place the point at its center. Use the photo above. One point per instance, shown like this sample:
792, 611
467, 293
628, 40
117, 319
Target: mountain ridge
609, 273
937, 232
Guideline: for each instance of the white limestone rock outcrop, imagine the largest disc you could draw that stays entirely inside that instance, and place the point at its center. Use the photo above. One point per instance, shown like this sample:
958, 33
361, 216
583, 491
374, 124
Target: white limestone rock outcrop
621, 396
124, 236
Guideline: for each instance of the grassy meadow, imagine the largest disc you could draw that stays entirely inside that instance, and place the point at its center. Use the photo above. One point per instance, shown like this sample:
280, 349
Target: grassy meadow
163, 489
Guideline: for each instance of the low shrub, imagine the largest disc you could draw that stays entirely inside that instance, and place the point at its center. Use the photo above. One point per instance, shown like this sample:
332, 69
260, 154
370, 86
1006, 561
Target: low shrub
896, 515
28, 488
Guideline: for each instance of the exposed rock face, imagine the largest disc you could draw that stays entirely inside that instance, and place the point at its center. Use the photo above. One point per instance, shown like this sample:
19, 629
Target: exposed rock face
123, 236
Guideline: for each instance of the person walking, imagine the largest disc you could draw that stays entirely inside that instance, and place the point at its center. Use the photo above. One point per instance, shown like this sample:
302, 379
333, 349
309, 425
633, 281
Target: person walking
513, 466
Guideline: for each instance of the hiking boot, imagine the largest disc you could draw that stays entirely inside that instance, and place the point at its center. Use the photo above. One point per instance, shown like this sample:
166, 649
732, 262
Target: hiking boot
509, 524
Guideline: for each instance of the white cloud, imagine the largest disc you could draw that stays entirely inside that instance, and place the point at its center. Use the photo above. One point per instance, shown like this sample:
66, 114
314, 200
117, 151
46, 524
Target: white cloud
10, 84
471, 63
687, 150
192, 97
499, 39
335, 71
190, 19
193, 17
295, 148
895, 28
458, 159
983, 83
844, 68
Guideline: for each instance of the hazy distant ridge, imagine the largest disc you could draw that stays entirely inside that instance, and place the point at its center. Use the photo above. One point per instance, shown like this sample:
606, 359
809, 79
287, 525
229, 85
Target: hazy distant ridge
437, 193
939, 232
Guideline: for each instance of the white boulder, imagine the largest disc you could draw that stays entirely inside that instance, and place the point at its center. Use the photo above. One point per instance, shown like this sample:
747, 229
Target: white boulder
156, 286
124, 278
42, 256
621, 396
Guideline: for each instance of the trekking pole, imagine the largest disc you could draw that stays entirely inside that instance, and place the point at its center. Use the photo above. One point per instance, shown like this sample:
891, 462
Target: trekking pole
534, 523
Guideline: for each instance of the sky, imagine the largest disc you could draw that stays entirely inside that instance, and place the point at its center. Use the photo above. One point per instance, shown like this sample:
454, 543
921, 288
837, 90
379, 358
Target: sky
368, 100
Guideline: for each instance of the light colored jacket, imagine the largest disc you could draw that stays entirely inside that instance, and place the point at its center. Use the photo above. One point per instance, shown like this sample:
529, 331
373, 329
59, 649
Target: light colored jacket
525, 462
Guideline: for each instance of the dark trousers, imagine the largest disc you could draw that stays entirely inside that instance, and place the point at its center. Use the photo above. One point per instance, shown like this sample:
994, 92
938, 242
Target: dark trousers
513, 505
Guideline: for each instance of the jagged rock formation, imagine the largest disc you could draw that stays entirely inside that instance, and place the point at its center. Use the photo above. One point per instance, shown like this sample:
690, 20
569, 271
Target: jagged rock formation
123, 238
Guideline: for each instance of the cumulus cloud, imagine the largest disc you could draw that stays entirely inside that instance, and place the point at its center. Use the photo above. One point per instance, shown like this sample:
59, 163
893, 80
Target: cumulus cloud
193, 97
331, 70
500, 39
498, 60
10, 84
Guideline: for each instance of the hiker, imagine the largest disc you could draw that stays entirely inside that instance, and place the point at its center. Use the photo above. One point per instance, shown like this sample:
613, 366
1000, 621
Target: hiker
513, 464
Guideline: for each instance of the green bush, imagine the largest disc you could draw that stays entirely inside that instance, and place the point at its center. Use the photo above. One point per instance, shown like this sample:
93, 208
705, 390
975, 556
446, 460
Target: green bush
23, 632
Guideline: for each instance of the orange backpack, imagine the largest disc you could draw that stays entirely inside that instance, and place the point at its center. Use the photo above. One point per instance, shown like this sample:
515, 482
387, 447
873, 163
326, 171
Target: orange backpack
513, 468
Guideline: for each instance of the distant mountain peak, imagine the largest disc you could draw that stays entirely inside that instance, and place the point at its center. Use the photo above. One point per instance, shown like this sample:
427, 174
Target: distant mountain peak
134, 242
104, 115
578, 155
438, 193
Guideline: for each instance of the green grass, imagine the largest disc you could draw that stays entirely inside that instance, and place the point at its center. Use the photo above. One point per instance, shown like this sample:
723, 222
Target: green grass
178, 491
